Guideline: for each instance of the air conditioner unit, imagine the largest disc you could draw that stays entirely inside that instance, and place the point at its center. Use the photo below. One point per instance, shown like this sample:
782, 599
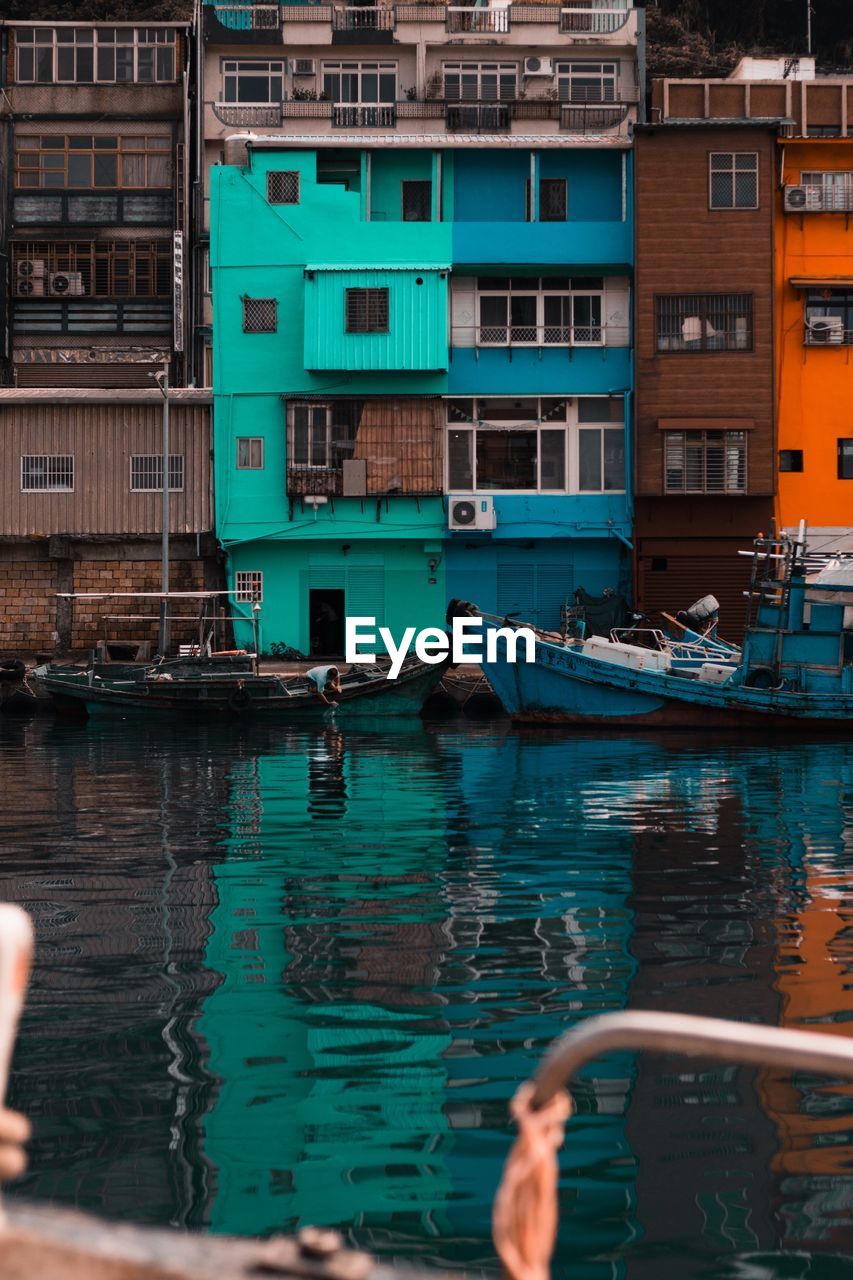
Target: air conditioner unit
304, 67
67, 284
799, 198
538, 67
31, 268
29, 287
467, 515
827, 329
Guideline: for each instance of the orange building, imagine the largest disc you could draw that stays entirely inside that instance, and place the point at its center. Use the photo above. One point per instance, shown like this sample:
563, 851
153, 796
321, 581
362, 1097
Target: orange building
814, 272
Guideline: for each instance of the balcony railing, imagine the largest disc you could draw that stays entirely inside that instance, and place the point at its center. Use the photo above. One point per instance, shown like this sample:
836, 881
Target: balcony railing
592, 119
539, 335
306, 110
364, 18
815, 197
376, 116
597, 22
241, 113
478, 21
477, 117
827, 331
248, 17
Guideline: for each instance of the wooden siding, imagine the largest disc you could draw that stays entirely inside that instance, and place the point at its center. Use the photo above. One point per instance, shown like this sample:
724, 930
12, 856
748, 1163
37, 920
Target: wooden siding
102, 438
824, 102
683, 247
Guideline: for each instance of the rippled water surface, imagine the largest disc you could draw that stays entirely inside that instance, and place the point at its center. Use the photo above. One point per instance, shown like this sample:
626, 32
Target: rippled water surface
291, 977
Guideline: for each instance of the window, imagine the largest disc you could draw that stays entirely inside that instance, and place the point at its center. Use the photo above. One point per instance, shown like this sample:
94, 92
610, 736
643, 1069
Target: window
845, 459
733, 180
586, 81
97, 269
248, 586
480, 81
553, 200
546, 311
283, 186
417, 200
704, 322
360, 82
828, 190
829, 318
260, 315
85, 55
823, 131
601, 447
207, 276
89, 161
261, 81
790, 459
47, 473
250, 453
320, 436
367, 310
535, 444
146, 472
705, 461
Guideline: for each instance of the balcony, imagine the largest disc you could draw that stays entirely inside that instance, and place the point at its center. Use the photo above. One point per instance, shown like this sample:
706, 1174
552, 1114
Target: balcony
242, 23
593, 22
237, 114
363, 18
561, 336
477, 117
373, 116
477, 21
818, 197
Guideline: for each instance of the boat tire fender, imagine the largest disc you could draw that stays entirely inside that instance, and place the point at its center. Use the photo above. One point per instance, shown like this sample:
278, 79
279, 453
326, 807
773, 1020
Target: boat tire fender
12, 670
239, 700
763, 678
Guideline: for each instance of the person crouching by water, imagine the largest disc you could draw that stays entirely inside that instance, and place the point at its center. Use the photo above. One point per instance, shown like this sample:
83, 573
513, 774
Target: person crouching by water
326, 680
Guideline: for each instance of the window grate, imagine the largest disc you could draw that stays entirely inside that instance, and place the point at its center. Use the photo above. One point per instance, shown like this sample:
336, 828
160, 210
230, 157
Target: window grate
248, 586
733, 180
367, 310
704, 322
283, 186
705, 462
146, 472
553, 200
47, 473
417, 200
260, 315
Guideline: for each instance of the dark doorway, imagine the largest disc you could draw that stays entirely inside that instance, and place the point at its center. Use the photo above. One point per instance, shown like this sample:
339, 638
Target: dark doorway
326, 610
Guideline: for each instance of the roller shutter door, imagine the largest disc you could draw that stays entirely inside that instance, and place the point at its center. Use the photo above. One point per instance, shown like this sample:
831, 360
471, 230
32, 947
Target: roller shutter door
687, 577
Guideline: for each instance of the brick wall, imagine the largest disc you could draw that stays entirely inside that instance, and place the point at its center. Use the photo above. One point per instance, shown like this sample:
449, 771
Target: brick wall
27, 605
132, 575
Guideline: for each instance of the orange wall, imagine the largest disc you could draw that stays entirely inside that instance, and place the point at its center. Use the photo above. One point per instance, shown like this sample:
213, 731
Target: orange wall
815, 385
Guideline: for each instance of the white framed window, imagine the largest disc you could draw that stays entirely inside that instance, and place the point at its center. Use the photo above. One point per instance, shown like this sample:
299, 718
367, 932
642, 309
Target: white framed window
535, 444
587, 81
480, 81
312, 438
540, 311
146, 472
829, 189
95, 55
250, 453
733, 179
259, 80
47, 473
704, 461
360, 83
249, 586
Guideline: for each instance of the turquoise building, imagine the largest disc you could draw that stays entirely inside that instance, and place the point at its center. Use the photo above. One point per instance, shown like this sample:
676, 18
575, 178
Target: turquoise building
422, 348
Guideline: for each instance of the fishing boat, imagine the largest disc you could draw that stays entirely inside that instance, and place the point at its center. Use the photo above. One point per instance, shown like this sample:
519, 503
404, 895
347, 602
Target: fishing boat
795, 666
232, 689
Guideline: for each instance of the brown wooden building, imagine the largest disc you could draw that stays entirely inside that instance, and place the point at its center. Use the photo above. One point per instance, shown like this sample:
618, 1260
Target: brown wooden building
705, 440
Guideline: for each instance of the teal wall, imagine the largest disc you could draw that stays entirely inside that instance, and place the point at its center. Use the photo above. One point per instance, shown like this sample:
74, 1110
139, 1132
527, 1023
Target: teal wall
417, 321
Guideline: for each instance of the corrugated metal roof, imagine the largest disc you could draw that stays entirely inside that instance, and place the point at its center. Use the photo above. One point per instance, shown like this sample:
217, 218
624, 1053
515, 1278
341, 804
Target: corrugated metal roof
97, 395
505, 142
378, 266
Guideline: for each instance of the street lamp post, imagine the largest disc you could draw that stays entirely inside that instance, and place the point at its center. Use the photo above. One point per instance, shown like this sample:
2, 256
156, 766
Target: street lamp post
162, 380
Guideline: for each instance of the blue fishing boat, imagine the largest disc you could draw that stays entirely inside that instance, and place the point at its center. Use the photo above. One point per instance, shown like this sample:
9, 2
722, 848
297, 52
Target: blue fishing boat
795, 666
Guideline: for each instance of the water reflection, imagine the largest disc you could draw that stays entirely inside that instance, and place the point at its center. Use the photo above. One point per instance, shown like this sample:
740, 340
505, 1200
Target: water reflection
288, 977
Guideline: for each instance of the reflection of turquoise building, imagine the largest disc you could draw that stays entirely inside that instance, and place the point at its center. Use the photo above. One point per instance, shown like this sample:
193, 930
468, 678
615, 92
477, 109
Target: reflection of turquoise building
400, 329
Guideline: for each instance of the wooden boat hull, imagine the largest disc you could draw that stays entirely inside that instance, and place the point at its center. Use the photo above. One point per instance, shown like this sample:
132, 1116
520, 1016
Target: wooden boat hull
563, 686
236, 697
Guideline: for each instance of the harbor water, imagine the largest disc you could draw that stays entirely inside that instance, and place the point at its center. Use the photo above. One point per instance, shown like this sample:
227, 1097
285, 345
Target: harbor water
289, 977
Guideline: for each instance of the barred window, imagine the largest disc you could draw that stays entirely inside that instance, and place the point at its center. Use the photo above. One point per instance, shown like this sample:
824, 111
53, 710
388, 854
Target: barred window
283, 186
553, 200
146, 472
367, 311
87, 268
250, 453
705, 461
47, 473
260, 315
733, 180
417, 200
704, 322
248, 586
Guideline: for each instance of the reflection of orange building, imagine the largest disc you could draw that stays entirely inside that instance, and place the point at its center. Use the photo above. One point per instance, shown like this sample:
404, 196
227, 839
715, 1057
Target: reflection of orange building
814, 264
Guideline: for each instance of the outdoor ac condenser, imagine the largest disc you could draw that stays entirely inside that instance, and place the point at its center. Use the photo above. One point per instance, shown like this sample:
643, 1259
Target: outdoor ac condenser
471, 515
